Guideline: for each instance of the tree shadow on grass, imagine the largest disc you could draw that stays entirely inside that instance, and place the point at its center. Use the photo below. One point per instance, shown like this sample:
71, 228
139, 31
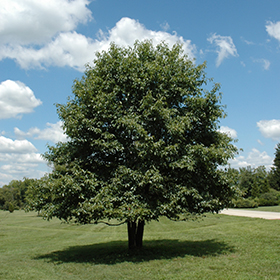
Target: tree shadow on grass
117, 252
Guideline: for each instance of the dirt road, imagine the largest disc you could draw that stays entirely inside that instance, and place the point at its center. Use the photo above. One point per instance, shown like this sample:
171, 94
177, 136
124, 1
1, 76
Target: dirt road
252, 214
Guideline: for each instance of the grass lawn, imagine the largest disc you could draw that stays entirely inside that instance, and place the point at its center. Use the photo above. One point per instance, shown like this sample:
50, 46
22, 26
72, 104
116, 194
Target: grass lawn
267, 208
217, 247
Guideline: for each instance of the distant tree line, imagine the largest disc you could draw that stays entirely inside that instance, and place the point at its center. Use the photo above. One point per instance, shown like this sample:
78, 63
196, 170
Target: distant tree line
12, 196
257, 186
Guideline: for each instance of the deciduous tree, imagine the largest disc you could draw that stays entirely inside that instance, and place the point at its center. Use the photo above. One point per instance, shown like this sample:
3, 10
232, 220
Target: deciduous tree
274, 178
143, 142
14, 193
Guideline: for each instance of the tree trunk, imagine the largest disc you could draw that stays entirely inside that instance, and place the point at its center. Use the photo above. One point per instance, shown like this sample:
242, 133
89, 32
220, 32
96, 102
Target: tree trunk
135, 234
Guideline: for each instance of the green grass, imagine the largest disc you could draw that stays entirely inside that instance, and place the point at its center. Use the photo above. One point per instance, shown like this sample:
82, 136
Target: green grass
217, 247
267, 208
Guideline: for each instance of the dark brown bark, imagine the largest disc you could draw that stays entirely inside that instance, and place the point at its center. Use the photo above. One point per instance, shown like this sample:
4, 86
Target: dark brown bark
135, 234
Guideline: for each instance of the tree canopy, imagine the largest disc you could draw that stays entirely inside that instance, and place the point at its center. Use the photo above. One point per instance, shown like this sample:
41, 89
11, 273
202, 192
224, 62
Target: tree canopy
143, 142
275, 171
14, 193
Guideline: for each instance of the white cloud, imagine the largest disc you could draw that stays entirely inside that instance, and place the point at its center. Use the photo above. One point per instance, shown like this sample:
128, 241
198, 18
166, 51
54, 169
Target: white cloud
32, 21
75, 50
23, 158
18, 170
225, 47
67, 49
18, 159
5, 178
53, 132
265, 63
128, 30
257, 158
16, 99
254, 158
16, 146
270, 129
229, 131
37, 33
273, 29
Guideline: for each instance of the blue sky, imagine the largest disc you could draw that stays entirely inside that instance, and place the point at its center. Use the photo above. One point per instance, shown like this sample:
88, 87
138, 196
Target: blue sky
44, 46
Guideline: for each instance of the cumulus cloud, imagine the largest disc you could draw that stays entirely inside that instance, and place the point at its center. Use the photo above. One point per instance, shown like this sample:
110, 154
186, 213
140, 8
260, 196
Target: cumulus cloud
229, 131
257, 158
18, 159
75, 50
225, 47
28, 158
67, 49
5, 178
273, 29
8, 145
128, 30
32, 21
270, 129
53, 132
254, 158
36, 33
17, 170
16, 99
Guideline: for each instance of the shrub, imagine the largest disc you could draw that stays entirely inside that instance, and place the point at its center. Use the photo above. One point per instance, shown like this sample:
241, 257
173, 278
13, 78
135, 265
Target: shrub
11, 207
270, 198
245, 203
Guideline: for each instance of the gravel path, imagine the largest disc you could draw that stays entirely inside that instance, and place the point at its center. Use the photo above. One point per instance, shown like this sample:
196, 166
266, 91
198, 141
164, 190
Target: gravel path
252, 214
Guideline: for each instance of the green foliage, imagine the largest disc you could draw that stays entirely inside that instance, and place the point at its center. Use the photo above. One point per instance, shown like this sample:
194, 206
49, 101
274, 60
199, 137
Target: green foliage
275, 171
246, 203
11, 207
270, 198
254, 187
14, 193
233, 176
251, 182
143, 141
261, 184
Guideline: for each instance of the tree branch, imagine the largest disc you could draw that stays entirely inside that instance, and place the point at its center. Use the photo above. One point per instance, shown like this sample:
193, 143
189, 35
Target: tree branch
108, 224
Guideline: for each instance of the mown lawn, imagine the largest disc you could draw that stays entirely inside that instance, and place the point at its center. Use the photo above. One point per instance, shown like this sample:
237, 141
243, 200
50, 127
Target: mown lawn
266, 208
217, 247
